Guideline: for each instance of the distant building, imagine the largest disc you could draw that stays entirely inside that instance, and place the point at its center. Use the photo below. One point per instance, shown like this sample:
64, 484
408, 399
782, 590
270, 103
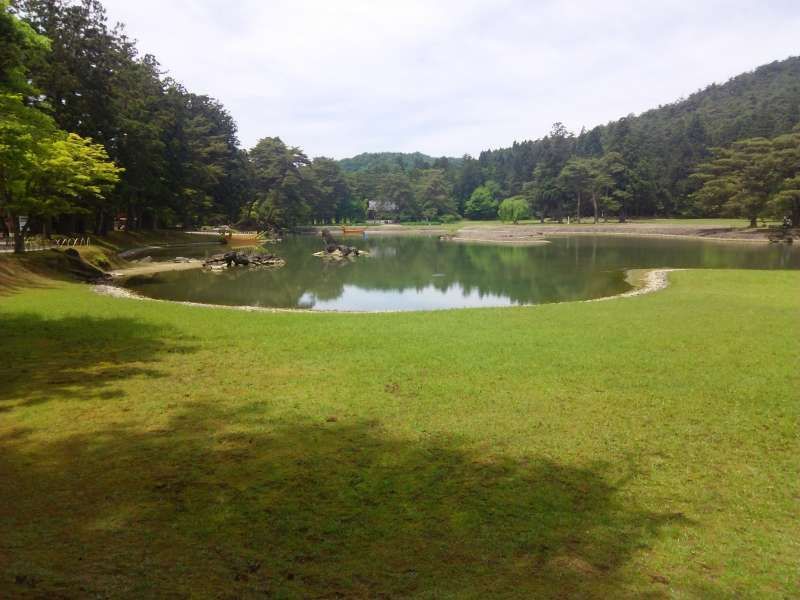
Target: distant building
381, 210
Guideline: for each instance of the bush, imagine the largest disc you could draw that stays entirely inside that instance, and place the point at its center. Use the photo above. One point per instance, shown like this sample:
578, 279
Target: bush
513, 209
481, 204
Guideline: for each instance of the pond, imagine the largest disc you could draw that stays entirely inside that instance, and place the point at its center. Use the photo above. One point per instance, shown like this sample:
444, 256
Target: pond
424, 273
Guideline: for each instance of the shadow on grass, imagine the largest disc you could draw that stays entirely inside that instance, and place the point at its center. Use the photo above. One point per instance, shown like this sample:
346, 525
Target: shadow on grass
81, 357
315, 510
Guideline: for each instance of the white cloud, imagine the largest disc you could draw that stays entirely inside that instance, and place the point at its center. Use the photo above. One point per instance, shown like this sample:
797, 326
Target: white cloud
451, 76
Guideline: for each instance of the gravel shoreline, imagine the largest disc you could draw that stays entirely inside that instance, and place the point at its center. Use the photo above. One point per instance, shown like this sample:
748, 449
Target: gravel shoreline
506, 234
653, 281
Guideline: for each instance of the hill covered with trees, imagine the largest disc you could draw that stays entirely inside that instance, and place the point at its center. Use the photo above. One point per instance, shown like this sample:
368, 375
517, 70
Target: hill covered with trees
656, 152
393, 161
635, 166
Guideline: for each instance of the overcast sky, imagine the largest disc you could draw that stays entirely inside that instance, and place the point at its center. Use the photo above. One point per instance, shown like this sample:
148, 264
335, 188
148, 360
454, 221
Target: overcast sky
449, 76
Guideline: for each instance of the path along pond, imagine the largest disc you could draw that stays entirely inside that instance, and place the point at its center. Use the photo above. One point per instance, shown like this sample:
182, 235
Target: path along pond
424, 273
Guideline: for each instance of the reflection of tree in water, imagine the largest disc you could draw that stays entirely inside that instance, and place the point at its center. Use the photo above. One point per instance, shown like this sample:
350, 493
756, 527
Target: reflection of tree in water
568, 268
523, 274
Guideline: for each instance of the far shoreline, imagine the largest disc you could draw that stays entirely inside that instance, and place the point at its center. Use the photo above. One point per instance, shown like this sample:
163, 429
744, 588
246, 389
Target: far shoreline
531, 233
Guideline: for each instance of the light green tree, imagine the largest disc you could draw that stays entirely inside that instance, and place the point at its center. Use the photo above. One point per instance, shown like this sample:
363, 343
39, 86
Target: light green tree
513, 209
44, 171
482, 203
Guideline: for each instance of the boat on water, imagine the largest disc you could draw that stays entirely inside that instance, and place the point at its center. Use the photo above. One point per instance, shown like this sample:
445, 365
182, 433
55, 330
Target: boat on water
353, 230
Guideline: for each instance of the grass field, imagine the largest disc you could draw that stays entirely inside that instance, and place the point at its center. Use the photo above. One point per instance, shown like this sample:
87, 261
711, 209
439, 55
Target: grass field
641, 447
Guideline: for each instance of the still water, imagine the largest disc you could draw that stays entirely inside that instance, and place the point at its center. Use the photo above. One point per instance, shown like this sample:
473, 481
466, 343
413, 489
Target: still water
424, 273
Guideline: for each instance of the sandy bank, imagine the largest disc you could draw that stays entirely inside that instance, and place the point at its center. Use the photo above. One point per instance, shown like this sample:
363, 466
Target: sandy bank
157, 267
702, 232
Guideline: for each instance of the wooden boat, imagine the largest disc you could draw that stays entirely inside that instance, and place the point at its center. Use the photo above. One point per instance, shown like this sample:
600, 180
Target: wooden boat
353, 230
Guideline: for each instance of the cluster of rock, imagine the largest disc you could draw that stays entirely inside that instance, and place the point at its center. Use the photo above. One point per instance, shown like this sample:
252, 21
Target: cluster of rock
238, 259
335, 250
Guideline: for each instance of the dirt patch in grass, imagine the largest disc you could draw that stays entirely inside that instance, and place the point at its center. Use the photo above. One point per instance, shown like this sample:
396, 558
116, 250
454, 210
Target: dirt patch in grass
41, 269
527, 231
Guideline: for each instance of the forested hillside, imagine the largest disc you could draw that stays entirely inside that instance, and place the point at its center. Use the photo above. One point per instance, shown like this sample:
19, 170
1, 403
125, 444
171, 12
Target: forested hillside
393, 161
145, 152
635, 166
658, 150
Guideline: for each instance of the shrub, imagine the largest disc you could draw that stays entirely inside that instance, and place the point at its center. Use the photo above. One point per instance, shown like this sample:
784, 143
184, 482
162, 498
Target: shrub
481, 204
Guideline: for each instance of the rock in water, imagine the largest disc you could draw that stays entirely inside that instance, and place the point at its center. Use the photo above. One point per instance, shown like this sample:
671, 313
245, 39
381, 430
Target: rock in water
230, 259
336, 250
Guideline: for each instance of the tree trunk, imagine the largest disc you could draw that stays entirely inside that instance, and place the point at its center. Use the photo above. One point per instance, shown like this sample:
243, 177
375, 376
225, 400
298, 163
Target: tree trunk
753, 222
98, 221
594, 203
19, 235
578, 219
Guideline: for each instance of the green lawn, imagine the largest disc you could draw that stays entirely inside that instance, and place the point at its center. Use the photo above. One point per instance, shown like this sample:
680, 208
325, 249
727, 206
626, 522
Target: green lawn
640, 447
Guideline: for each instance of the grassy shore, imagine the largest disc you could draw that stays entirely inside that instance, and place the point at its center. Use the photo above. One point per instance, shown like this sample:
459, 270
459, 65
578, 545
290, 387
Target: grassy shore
641, 447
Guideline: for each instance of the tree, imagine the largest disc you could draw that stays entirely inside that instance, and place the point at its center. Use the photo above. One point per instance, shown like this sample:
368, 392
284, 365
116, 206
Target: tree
576, 176
77, 76
739, 180
544, 194
332, 193
20, 46
786, 149
482, 204
619, 191
395, 195
181, 156
434, 194
44, 171
281, 186
468, 178
143, 117
513, 209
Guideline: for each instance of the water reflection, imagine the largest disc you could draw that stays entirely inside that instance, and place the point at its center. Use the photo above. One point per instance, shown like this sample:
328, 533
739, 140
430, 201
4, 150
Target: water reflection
412, 273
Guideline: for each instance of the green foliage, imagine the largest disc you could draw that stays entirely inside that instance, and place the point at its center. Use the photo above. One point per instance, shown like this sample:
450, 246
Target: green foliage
752, 178
282, 188
383, 162
656, 152
20, 46
513, 209
181, 157
44, 171
395, 196
183, 165
482, 204
434, 194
